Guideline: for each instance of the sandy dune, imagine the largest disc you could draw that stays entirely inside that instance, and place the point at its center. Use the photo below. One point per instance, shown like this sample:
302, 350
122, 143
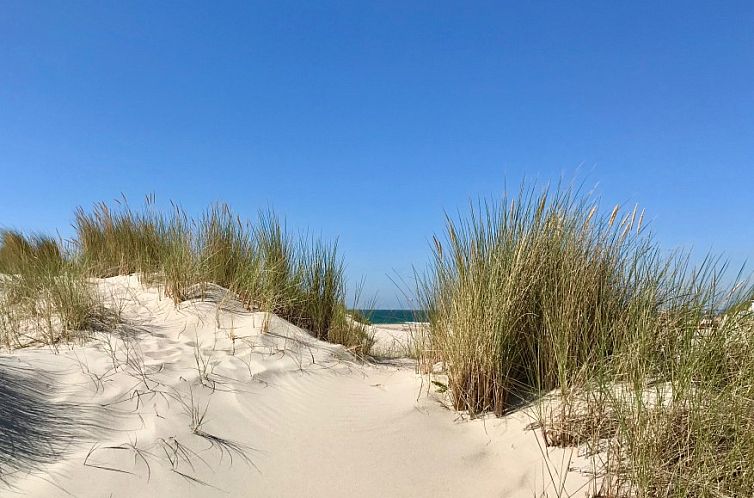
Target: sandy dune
393, 340
204, 399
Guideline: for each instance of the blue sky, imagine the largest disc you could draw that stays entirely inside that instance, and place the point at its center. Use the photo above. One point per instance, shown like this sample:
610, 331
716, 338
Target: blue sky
364, 121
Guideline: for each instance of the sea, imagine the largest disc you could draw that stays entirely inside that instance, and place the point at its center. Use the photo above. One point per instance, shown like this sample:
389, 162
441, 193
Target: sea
394, 316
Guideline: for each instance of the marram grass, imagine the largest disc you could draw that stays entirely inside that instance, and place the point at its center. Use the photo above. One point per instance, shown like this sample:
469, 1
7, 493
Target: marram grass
532, 292
44, 295
652, 360
299, 278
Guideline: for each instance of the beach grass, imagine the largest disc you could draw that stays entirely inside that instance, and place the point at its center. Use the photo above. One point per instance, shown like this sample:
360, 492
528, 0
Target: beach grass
118, 240
533, 292
19, 252
541, 292
540, 299
45, 296
299, 278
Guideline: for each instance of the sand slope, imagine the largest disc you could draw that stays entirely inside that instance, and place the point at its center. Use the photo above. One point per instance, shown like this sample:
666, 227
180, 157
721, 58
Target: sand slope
205, 399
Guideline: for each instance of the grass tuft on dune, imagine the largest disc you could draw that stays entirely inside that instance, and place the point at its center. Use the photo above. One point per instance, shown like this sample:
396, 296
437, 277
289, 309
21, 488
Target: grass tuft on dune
540, 292
44, 294
298, 278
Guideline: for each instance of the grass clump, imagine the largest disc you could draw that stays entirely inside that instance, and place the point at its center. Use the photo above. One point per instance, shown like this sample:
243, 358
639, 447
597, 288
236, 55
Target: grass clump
356, 336
226, 251
304, 282
119, 241
322, 286
688, 429
301, 279
18, 252
178, 267
531, 293
652, 360
44, 296
280, 291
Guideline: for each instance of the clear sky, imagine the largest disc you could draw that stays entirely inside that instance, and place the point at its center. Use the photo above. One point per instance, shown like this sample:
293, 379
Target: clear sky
365, 120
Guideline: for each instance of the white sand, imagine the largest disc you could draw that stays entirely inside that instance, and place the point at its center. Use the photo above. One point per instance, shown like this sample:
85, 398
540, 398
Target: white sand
393, 340
286, 415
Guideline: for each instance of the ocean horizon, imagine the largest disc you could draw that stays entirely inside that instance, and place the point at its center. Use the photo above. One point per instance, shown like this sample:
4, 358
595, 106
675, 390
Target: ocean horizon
385, 316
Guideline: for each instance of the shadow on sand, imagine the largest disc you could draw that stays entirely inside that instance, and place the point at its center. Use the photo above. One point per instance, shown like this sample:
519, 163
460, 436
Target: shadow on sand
34, 430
